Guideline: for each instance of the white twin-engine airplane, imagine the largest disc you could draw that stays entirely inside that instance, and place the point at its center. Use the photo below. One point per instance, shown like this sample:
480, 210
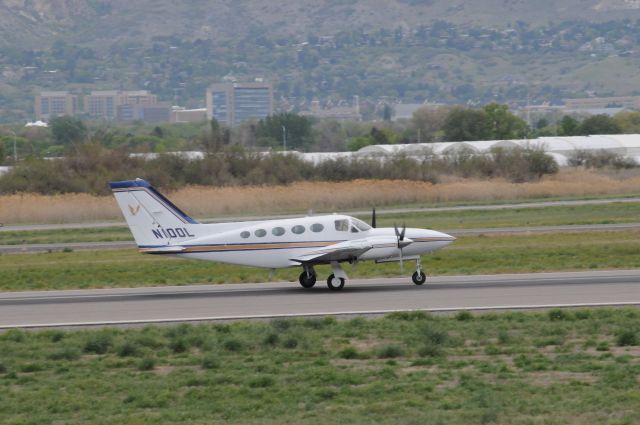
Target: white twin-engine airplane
159, 227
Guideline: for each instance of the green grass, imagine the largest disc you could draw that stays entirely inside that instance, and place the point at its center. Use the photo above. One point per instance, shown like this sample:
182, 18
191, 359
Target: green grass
405, 368
468, 255
548, 216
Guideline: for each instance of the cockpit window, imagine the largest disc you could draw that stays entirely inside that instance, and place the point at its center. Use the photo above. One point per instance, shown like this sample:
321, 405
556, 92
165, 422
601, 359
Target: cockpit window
361, 225
342, 225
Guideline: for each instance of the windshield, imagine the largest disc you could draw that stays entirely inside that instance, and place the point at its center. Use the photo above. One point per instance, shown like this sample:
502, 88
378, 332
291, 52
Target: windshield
360, 224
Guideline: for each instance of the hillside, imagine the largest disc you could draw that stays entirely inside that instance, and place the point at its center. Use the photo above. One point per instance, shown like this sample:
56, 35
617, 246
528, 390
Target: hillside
36, 22
409, 50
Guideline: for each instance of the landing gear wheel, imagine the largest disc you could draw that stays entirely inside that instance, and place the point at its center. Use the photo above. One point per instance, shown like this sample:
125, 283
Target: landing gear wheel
419, 277
307, 280
335, 283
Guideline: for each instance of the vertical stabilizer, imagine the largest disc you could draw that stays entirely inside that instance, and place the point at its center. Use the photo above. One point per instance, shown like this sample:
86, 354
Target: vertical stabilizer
152, 218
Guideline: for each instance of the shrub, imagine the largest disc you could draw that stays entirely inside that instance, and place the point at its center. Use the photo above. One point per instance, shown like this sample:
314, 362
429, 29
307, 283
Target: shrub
98, 344
271, 339
178, 345
349, 353
557, 314
67, 353
627, 338
3, 368
232, 345
262, 382
390, 351
290, 343
148, 363
210, 362
464, 316
128, 349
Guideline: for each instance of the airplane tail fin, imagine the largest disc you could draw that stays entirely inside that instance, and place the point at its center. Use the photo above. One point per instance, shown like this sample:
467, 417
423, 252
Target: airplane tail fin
153, 219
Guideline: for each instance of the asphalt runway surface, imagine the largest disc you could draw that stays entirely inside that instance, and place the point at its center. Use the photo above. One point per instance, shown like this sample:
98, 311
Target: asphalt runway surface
132, 306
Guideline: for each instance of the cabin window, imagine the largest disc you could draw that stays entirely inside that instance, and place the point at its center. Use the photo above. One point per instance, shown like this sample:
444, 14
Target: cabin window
278, 231
261, 233
298, 230
342, 225
361, 225
317, 227
354, 230
245, 234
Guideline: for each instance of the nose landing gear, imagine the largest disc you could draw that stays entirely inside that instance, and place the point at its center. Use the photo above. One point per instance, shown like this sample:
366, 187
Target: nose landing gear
419, 277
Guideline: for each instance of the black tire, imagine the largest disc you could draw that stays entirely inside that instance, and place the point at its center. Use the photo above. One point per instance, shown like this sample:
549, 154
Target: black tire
307, 281
335, 287
419, 278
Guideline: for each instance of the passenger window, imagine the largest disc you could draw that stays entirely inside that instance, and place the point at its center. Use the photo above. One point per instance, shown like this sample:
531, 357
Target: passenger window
245, 234
360, 224
278, 231
317, 227
298, 230
261, 233
342, 225
354, 230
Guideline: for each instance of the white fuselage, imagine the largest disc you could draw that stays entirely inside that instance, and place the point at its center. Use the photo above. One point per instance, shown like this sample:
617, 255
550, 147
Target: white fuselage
274, 243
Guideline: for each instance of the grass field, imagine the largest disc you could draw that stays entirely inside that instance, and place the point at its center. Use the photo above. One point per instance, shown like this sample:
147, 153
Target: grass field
575, 367
468, 255
585, 214
321, 196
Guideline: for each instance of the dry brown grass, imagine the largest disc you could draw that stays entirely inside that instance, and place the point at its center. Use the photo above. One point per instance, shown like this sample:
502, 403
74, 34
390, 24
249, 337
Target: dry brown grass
317, 196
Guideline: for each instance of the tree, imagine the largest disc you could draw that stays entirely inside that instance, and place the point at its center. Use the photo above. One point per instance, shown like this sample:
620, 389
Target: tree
629, 122
504, 125
296, 128
429, 122
598, 124
2, 153
568, 126
68, 130
216, 138
467, 124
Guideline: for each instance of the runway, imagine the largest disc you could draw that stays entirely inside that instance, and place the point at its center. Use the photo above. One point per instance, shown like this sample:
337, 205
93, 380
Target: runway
284, 299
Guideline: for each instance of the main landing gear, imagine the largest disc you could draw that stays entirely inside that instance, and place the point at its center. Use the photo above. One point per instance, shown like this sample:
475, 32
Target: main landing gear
335, 281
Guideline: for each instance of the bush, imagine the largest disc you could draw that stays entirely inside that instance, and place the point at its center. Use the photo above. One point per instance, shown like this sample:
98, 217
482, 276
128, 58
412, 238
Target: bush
349, 353
67, 353
262, 382
390, 351
290, 343
464, 316
272, 339
98, 344
627, 338
557, 314
178, 345
210, 362
148, 363
127, 349
232, 345
3, 368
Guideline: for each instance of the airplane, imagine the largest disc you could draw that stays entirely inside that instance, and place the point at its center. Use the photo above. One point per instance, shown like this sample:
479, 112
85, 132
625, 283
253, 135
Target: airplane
161, 228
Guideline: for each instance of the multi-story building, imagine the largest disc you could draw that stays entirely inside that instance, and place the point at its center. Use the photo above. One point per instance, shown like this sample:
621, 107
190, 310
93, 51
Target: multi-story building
233, 103
55, 103
105, 104
156, 113
629, 102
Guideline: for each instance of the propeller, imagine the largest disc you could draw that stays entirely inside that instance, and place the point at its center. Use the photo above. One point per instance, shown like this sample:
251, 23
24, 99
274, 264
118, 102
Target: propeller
400, 236
373, 218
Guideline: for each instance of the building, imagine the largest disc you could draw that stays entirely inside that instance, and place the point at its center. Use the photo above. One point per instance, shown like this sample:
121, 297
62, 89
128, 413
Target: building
147, 113
104, 104
629, 102
55, 103
233, 103
339, 113
181, 115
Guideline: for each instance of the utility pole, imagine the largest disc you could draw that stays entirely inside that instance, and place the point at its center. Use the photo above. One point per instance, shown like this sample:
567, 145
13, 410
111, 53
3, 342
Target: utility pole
15, 151
284, 138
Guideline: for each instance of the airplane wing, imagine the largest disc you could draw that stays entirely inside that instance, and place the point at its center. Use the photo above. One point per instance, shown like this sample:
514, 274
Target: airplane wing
344, 251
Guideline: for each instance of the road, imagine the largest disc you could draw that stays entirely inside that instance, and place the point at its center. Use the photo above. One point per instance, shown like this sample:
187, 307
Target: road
492, 207
266, 300
75, 246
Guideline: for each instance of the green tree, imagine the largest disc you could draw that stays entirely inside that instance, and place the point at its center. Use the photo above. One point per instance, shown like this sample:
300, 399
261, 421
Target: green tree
2, 153
629, 122
467, 124
216, 138
297, 128
504, 125
67, 130
568, 126
599, 124
429, 122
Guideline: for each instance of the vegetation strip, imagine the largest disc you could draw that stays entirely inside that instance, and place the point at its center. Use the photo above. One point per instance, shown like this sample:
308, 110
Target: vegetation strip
508, 367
